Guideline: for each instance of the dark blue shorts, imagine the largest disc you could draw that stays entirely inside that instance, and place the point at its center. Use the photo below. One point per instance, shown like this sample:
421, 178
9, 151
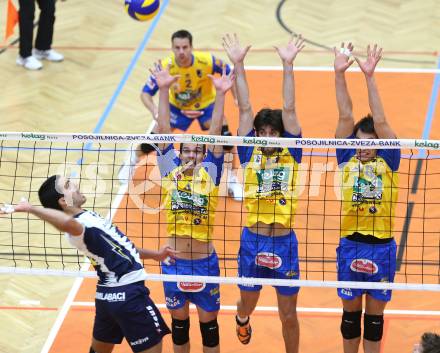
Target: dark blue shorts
182, 122
127, 311
204, 295
268, 257
363, 262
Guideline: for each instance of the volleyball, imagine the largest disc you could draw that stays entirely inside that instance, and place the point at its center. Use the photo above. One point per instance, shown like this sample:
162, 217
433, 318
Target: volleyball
142, 10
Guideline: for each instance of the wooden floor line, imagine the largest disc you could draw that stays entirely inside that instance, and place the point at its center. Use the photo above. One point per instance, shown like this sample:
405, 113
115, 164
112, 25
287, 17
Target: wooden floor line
299, 309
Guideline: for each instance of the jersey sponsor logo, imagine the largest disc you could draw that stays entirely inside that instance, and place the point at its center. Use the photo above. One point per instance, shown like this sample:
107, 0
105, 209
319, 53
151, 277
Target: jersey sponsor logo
364, 266
190, 202
269, 260
273, 180
139, 341
192, 287
366, 190
111, 297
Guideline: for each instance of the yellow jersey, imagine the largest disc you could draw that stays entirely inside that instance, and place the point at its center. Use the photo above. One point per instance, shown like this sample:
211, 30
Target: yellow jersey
369, 193
194, 90
190, 201
271, 192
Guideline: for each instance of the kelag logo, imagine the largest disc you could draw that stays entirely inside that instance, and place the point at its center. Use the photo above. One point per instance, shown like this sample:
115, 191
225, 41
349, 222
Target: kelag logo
203, 139
254, 140
426, 144
33, 136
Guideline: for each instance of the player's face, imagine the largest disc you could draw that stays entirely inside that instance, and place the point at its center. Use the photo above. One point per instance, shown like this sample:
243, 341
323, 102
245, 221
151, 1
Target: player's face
191, 155
268, 131
362, 154
72, 194
182, 51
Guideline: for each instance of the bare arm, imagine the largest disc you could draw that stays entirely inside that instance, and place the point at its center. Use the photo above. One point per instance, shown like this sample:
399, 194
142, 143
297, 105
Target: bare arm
158, 255
164, 81
148, 102
381, 126
288, 55
237, 54
345, 106
60, 220
222, 85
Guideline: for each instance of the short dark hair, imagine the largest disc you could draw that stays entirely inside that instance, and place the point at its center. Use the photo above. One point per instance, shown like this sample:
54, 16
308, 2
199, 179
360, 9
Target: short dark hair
183, 33
49, 195
181, 148
430, 342
271, 117
366, 124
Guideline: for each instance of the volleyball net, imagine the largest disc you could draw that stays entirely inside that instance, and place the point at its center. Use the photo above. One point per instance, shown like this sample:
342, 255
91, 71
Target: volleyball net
135, 199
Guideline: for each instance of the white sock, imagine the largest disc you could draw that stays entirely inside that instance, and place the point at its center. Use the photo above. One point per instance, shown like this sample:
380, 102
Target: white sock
242, 320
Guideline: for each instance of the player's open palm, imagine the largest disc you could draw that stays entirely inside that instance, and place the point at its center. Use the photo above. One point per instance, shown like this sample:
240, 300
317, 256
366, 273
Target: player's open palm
373, 57
224, 83
162, 76
235, 51
22, 206
291, 50
342, 62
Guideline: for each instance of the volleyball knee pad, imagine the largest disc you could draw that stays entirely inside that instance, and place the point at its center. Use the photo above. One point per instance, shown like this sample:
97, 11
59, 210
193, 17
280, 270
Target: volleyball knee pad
226, 132
373, 327
210, 334
351, 324
180, 331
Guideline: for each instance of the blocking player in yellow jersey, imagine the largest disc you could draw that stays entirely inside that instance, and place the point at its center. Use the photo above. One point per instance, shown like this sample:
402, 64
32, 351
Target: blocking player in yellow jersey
190, 183
268, 244
369, 185
192, 95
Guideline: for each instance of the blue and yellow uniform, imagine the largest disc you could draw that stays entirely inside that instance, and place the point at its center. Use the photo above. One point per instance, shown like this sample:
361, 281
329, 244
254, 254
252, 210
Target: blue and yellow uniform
367, 250
193, 91
190, 205
270, 197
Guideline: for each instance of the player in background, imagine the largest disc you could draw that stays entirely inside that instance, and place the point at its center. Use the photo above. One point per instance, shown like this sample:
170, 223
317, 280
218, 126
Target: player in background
192, 96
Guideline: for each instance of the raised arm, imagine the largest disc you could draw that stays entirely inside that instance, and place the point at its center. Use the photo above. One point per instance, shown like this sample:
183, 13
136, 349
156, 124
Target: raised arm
60, 220
164, 81
237, 54
381, 126
288, 55
345, 106
222, 85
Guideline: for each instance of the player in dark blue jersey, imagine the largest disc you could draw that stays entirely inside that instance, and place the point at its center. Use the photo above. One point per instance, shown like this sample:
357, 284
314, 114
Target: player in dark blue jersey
123, 305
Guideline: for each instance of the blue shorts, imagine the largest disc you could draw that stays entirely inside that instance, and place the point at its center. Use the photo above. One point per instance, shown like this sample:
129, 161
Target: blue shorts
268, 257
127, 311
182, 122
363, 262
204, 295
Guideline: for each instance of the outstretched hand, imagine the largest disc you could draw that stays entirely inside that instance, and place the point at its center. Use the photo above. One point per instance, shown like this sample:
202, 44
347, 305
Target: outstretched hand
373, 57
235, 51
162, 76
22, 206
224, 83
289, 52
342, 62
